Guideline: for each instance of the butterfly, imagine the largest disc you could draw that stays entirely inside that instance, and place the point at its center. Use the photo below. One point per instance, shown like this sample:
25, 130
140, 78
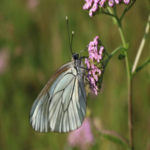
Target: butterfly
61, 105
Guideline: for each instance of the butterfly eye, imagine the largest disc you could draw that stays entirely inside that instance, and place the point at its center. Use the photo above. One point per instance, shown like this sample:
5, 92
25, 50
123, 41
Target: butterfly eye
75, 56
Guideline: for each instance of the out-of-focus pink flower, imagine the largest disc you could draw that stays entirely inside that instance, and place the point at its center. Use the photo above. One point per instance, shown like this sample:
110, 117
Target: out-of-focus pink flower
88, 4
32, 3
126, 1
92, 6
81, 137
4, 60
93, 63
102, 2
111, 3
117, 1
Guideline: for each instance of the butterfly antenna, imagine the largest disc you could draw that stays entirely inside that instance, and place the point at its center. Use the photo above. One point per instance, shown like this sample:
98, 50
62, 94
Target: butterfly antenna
71, 43
70, 40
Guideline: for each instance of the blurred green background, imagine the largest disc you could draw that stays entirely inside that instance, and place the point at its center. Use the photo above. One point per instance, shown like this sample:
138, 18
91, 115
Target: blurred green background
34, 43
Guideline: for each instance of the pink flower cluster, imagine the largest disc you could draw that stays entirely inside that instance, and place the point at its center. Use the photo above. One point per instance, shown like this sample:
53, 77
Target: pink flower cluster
81, 137
92, 63
93, 5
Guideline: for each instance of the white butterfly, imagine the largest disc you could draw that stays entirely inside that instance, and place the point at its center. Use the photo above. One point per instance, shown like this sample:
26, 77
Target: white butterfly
61, 105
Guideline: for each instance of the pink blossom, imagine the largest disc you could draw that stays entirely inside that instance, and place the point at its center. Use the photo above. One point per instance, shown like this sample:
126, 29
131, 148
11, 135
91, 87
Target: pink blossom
88, 4
93, 5
117, 1
93, 9
111, 3
32, 3
101, 50
81, 137
87, 63
92, 63
102, 2
126, 1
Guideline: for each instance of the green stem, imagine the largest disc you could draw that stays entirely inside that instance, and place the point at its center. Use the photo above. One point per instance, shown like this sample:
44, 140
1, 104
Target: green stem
122, 35
112, 54
141, 47
116, 50
125, 52
129, 80
107, 13
142, 66
127, 9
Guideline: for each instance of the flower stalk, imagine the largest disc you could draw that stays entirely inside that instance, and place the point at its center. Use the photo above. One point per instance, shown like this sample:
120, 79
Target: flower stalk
127, 9
129, 80
118, 49
141, 47
141, 66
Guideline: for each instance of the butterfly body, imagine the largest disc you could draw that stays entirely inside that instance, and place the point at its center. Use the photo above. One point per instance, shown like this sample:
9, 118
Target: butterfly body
61, 105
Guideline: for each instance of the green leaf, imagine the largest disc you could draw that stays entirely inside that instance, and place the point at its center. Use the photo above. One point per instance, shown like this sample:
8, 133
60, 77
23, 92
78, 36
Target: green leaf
115, 138
141, 66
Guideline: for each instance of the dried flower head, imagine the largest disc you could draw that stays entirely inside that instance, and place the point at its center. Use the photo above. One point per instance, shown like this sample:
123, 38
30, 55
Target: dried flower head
94, 64
93, 5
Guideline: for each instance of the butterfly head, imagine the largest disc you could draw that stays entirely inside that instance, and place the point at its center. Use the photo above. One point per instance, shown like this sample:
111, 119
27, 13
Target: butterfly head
75, 56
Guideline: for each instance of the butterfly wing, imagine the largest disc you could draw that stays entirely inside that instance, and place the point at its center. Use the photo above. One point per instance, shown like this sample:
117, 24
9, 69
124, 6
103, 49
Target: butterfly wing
60, 107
